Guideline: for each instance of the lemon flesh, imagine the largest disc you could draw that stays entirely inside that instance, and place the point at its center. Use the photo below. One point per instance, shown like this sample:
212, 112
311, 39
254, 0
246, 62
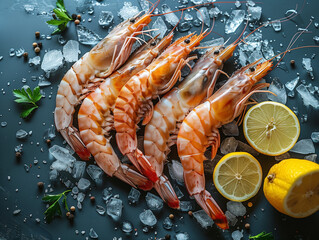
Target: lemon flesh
271, 128
238, 176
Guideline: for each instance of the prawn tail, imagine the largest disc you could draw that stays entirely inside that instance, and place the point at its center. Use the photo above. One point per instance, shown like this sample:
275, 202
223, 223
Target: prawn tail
72, 136
166, 191
133, 178
206, 201
145, 166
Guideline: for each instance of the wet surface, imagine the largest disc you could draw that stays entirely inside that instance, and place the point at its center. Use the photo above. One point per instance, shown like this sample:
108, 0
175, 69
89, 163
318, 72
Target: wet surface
18, 188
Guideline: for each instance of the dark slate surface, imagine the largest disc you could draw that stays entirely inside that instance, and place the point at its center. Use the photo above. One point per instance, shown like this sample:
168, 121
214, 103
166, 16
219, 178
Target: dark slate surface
17, 30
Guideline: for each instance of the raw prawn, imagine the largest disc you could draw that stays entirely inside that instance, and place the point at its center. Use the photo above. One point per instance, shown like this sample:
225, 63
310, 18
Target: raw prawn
89, 71
161, 132
95, 119
135, 98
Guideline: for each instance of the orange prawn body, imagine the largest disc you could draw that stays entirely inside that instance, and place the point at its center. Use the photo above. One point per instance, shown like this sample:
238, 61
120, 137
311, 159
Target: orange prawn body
88, 73
134, 100
95, 118
200, 130
161, 132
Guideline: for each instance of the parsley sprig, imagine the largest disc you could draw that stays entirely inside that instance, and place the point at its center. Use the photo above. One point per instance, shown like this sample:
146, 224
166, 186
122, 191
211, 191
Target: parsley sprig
262, 236
63, 18
28, 98
55, 208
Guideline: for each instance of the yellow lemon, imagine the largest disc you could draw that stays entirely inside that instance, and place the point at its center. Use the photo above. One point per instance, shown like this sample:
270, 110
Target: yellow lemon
238, 176
271, 128
292, 187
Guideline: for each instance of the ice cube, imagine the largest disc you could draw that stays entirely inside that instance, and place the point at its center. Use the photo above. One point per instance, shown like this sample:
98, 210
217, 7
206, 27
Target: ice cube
250, 3
307, 97
134, 196
49, 134
75, 190
78, 169
211, 43
114, 208
188, 17
80, 197
184, 26
254, 13
236, 208
277, 88
228, 145
154, 202
52, 61
231, 218
167, 223
315, 137
235, 19
306, 63
128, 11
93, 234
203, 219
53, 175
186, 206
304, 146
160, 25
171, 18
87, 36
43, 82
28, 8
95, 173
196, 2
202, 14
105, 18
107, 194
178, 191
311, 157
176, 171
71, 51
282, 156
127, 227
147, 218
237, 4
276, 26
214, 12
182, 236
145, 5
267, 49
100, 210
34, 61
61, 153
230, 129
84, 184
21, 134
19, 52
316, 39
292, 84
237, 235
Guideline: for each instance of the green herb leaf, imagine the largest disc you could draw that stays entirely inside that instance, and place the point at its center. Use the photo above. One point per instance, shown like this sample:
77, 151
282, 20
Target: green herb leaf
263, 236
27, 112
55, 22
62, 15
28, 98
63, 18
60, 4
55, 208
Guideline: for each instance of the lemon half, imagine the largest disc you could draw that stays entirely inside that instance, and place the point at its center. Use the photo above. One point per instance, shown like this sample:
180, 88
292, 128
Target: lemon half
238, 176
292, 187
271, 128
